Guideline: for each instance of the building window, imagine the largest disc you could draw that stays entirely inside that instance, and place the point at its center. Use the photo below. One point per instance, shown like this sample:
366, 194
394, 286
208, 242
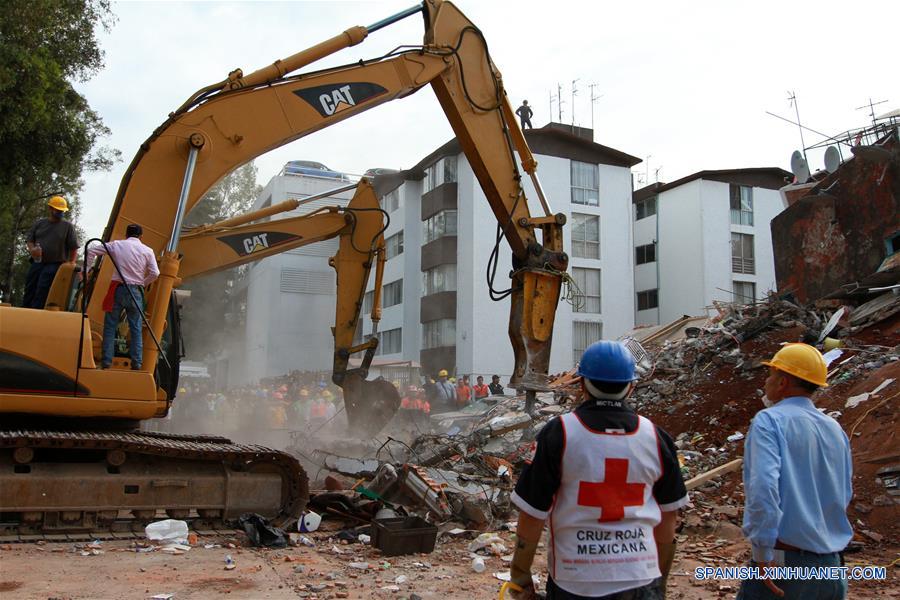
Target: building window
439, 279
744, 292
588, 281
645, 208
648, 299
741, 204
439, 225
585, 236
390, 341
443, 171
645, 254
584, 333
742, 254
439, 334
393, 245
368, 299
585, 183
393, 293
391, 201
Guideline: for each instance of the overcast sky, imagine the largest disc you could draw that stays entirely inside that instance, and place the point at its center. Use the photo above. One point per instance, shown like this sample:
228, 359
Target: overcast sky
686, 83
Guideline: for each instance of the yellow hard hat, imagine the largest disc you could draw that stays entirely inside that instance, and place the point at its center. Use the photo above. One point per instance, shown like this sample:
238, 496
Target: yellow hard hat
802, 361
58, 203
442, 373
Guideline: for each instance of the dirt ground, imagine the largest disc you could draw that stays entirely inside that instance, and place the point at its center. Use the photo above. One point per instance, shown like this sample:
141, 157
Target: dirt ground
59, 571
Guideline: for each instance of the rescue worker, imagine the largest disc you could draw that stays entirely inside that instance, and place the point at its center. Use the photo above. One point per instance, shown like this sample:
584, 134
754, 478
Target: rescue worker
610, 483
495, 386
423, 408
525, 113
797, 481
463, 392
51, 241
480, 390
409, 405
137, 264
445, 392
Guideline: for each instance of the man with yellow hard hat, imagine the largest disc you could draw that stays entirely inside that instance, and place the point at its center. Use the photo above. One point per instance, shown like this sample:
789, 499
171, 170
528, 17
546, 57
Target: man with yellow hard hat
51, 241
797, 481
445, 392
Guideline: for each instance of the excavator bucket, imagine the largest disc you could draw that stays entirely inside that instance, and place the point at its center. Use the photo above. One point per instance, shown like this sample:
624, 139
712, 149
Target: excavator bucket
370, 405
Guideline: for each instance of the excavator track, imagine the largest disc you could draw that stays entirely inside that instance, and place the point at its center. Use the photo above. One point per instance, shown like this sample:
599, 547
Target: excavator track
73, 482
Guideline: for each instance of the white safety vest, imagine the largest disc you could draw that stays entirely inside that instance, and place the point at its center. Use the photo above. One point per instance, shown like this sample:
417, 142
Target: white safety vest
602, 520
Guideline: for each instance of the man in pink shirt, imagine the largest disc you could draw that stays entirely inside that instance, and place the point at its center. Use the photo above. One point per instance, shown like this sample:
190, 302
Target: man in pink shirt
134, 266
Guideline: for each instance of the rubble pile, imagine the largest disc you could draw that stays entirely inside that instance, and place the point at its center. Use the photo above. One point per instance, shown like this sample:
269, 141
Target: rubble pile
463, 472
700, 379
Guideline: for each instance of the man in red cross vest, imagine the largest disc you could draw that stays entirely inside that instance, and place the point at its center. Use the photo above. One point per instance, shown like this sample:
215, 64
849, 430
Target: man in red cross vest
609, 482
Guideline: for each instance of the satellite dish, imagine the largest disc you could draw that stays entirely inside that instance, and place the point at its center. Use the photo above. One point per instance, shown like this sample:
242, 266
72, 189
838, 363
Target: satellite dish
832, 159
799, 167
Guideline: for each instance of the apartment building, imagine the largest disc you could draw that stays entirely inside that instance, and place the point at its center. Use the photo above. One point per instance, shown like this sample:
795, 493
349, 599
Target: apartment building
436, 306
704, 238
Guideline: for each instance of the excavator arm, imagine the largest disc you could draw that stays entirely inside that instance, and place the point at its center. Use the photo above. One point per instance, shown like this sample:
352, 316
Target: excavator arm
359, 226
228, 123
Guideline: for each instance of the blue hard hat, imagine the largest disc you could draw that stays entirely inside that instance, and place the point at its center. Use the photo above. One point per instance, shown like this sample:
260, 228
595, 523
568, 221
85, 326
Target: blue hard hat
607, 361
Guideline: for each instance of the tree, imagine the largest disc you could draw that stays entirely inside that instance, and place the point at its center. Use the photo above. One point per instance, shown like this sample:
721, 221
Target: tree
48, 131
206, 321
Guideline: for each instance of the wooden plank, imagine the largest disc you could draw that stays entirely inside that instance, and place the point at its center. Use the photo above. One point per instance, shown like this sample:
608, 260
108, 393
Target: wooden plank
714, 473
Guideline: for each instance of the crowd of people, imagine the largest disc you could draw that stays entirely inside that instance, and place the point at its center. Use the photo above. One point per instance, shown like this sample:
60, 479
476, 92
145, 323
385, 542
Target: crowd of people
308, 401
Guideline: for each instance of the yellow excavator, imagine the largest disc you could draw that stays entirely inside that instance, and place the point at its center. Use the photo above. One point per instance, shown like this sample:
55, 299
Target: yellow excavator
72, 457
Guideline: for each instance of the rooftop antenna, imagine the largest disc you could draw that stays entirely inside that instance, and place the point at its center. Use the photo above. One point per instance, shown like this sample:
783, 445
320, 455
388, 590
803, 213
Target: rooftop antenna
593, 101
871, 106
574, 93
559, 100
647, 168
656, 173
792, 98
552, 100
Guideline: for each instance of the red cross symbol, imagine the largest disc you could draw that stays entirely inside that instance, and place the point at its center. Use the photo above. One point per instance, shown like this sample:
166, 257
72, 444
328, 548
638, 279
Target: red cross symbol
614, 493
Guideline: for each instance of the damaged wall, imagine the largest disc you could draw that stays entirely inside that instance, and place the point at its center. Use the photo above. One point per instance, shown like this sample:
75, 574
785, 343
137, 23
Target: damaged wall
827, 240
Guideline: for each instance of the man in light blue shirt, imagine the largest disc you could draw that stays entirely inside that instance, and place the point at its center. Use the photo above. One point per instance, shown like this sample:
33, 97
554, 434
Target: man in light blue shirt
797, 481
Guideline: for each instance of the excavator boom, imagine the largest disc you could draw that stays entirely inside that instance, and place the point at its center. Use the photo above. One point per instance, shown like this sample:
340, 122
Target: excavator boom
48, 363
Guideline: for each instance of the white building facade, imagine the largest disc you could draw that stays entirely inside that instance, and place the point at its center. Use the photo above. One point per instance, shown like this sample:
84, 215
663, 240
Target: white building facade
290, 297
704, 238
436, 306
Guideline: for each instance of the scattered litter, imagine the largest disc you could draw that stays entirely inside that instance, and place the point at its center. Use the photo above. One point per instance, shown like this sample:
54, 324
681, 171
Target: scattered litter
478, 565
832, 355
359, 565
855, 401
167, 530
229, 563
735, 437
364, 539
308, 522
175, 548
162, 597
401, 579
260, 532
483, 541
300, 540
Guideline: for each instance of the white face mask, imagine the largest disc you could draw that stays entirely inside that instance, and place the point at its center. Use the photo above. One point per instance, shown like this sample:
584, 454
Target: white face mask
766, 402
